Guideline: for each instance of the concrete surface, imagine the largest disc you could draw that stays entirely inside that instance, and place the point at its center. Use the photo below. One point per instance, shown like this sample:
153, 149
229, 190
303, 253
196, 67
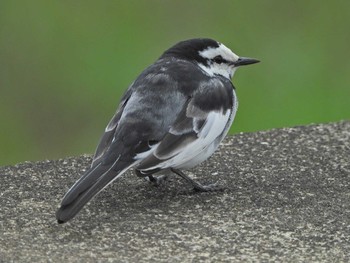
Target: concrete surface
287, 198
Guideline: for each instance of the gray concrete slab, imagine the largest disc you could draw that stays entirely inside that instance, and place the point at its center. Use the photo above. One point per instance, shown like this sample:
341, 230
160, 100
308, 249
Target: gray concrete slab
286, 198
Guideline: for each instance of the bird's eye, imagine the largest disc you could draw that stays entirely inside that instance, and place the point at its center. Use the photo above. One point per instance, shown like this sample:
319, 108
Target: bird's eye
218, 59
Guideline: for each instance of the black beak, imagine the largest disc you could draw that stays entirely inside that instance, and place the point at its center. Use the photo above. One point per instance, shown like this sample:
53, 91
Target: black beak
245, 61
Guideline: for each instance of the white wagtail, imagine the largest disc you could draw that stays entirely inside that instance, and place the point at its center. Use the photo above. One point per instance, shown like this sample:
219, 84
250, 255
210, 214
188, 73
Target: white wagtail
172, 117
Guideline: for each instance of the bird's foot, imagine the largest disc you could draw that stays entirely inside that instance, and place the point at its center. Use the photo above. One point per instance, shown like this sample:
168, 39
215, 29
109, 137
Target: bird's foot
156, 180
207, 188
197, 186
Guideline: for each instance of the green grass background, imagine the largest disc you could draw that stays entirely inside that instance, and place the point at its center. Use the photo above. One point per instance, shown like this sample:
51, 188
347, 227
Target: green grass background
64, 64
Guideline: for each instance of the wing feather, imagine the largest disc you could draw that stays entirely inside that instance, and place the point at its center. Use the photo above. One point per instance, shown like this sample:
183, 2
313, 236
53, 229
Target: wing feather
109, 133
194, 131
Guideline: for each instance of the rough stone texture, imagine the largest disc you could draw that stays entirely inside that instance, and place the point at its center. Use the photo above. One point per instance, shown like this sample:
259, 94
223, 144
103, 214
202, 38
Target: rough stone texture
287, 198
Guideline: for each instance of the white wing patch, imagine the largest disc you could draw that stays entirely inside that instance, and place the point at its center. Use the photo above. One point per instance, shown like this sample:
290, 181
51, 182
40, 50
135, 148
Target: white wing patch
200, 149
189, 144
145, 154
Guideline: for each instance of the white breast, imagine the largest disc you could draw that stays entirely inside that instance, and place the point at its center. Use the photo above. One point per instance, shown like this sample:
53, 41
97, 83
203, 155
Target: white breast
213, 132
216, 129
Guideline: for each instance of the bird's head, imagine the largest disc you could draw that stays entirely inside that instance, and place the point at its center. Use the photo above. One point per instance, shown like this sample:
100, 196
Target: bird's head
213, 57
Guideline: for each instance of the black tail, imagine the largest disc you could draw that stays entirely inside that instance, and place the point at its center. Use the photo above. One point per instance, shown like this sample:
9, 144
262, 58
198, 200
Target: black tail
89, 185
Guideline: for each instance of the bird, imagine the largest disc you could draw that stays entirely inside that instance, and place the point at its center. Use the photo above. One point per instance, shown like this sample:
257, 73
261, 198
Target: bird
171, 118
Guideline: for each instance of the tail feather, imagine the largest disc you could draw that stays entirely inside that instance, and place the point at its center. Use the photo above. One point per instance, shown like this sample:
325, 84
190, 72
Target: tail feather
89, 185
86, 181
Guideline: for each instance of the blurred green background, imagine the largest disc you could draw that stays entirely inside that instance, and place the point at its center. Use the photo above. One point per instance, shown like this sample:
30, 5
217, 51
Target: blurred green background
65, 64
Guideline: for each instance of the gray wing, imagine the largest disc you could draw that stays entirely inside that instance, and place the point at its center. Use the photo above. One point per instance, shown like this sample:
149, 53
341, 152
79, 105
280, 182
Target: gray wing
145, 113
143, 116
205, 118
108, 135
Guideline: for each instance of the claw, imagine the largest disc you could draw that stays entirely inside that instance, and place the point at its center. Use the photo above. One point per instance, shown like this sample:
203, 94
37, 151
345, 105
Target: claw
197, 186
208, 188
156, 181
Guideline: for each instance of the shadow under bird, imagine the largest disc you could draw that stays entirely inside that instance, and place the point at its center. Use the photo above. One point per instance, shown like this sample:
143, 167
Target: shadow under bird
171, 118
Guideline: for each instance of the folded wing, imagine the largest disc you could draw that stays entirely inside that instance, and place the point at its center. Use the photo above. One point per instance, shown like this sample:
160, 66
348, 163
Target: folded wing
197, 132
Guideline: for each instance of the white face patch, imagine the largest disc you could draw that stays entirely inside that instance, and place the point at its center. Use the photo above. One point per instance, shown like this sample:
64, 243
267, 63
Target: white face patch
222, 50
222, 69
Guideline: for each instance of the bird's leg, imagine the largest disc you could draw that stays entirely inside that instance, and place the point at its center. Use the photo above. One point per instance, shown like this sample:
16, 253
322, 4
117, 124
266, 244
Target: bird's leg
197, 186
156, 181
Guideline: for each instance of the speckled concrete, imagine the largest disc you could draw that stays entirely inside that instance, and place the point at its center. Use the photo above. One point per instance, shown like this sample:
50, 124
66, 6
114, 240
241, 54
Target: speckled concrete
286, 198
